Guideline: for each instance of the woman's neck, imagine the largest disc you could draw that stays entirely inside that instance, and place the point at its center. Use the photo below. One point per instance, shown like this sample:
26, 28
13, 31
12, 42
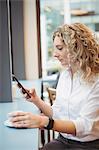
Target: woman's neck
74, 68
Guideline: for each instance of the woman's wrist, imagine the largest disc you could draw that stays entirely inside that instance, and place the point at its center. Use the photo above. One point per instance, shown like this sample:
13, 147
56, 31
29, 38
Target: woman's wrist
36, 101
44, 121
50, 124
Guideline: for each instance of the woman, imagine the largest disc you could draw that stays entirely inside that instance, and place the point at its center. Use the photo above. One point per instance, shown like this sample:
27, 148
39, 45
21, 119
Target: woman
75, 113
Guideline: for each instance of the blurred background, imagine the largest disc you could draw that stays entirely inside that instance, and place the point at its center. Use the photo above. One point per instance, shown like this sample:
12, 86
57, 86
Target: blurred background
32, 23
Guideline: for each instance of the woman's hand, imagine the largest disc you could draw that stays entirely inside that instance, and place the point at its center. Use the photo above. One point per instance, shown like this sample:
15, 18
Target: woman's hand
28, 120
33, 97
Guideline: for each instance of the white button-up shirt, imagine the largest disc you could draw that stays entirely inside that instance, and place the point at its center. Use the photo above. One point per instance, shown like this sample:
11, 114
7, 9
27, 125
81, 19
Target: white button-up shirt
78, 101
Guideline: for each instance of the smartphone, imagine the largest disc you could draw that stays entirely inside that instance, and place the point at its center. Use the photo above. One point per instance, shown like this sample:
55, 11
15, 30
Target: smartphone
21, 86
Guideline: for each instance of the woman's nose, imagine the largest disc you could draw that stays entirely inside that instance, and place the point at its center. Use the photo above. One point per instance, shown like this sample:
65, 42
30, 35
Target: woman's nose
56, 54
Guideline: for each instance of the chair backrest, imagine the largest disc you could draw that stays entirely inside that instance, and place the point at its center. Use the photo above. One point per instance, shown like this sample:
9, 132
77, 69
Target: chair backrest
58, 75
51, 94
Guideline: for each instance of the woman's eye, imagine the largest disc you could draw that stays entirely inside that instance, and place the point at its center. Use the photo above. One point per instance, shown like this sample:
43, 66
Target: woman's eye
60, 48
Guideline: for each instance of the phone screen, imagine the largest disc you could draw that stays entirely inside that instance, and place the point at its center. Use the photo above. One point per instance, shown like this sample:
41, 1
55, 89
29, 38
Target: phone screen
21, 86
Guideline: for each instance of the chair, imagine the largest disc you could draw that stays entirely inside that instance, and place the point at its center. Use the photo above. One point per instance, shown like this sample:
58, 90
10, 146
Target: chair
50, 133
52, 97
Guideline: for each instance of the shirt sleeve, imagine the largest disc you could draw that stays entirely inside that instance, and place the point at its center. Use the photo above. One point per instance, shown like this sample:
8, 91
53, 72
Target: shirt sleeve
56, 105
88, 120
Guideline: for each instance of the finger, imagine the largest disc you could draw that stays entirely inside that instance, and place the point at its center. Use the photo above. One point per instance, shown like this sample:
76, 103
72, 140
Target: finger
16, 113
28, 96
19, 125
29, 99
23, 90
18, 119
25, 95
32, 91
27, 90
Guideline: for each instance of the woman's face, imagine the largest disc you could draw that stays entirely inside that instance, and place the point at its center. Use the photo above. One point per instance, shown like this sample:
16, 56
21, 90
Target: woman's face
61, 51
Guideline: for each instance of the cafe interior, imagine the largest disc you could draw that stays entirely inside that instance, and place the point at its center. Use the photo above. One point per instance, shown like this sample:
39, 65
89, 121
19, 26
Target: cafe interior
26, 50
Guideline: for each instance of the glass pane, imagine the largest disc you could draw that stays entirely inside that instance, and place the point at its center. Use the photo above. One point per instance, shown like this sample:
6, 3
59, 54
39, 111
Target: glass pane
57, 12
52, 15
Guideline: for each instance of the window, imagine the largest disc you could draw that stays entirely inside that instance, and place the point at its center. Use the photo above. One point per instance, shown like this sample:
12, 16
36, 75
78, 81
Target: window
51, 16
56, 12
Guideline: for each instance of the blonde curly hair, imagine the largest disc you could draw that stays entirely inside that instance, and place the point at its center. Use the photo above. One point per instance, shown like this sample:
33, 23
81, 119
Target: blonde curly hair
83, 45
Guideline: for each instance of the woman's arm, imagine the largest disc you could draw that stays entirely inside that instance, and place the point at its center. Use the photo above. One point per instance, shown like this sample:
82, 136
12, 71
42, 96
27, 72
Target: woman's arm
64, 126
29, 120
45, 108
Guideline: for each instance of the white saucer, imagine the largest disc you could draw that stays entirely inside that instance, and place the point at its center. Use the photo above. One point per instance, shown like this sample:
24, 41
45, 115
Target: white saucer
8, 123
